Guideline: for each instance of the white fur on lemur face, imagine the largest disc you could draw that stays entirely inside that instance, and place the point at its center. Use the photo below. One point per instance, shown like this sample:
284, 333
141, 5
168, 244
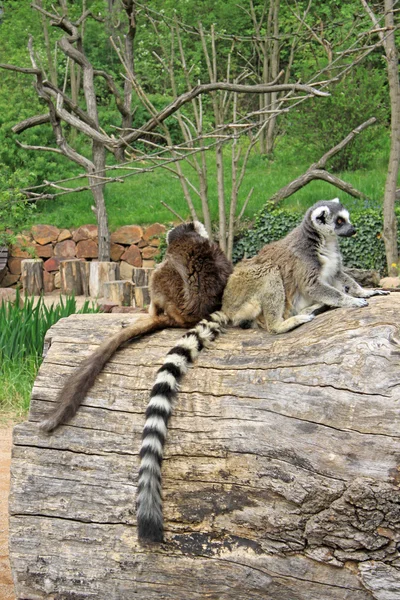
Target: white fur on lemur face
331, 220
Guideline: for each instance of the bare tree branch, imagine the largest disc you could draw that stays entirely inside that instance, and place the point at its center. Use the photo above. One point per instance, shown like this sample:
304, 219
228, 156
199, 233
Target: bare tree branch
30, 122
316, 171
211, 87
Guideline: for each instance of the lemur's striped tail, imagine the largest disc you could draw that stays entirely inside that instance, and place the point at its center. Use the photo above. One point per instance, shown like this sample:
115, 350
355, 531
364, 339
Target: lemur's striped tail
149, 500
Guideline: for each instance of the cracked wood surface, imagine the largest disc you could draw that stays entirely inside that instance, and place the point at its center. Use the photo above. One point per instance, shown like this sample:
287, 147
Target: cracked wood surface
281, 473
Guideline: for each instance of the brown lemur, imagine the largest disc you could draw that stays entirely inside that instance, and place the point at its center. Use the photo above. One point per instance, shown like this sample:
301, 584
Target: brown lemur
278, 289
185, 288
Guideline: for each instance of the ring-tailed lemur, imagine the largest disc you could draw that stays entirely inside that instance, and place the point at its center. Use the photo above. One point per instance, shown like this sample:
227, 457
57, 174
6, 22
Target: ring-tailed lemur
278, 289
185, 288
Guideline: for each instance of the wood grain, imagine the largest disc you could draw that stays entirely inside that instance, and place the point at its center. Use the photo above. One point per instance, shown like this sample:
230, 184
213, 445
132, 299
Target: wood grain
281, 475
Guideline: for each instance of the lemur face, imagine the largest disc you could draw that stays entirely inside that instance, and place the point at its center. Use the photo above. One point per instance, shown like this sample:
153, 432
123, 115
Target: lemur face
332, 219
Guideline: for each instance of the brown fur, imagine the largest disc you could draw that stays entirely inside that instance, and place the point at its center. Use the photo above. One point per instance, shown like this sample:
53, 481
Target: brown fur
185, 288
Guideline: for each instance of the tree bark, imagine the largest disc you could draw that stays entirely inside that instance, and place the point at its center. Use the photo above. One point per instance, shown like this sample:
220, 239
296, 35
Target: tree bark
119, 292
100, 272
388, 41
389, 217
32, 276
280, 478
71, 277
317, 171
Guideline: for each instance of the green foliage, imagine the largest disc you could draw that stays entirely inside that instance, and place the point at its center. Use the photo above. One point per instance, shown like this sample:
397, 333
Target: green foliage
270, 224
22, 332
322, 123
162, 248
15, 210
364, 251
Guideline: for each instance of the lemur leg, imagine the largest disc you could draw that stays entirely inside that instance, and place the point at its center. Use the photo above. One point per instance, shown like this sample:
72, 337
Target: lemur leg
354, 289
314, 309
326, 294
273, 306
247, 314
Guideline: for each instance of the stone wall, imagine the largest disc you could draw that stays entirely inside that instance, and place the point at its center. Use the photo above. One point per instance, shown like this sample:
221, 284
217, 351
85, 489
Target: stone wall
131, 246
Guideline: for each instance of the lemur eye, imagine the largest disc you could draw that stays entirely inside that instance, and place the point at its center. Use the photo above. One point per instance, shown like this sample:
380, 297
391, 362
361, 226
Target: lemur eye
339, 221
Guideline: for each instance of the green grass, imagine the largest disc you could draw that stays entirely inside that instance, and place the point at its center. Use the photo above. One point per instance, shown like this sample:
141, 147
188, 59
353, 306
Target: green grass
23, 326
17, 379
138, 199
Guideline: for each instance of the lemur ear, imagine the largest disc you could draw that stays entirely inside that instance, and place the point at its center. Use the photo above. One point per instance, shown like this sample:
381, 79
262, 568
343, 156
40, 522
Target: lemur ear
320, 214
336, 200
201, 230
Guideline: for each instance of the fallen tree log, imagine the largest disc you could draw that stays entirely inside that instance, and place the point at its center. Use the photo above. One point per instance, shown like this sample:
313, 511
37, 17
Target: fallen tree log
281, 475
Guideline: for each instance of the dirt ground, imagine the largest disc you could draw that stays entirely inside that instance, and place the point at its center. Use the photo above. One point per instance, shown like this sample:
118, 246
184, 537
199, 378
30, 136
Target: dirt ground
6, 584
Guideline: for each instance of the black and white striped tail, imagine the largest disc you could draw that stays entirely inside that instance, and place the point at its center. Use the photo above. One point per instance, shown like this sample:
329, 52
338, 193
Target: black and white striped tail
149, 501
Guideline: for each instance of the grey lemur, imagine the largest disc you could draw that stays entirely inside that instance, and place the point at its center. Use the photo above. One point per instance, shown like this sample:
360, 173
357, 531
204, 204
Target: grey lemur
278, 289
185, 288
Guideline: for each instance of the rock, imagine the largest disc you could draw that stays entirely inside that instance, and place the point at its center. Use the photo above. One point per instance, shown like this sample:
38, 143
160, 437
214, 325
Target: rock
148, 264
9, 279
65, 234
390, 282
65, 249
57, 280
44, 234
116, 251
106, 307
48, 282
127, 235
154, 230
45, 251
149, 252
14, 265
7, 295
85, 232
132, 256
126, 270
87, 249
52, 264
20, 248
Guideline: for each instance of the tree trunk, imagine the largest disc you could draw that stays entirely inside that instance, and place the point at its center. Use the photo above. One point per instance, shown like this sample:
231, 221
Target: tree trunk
389, 217
118, 292
281, 473
71, 277
100, 272
32, 276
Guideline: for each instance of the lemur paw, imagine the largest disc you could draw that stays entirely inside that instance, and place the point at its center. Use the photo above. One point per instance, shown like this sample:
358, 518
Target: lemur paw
305, 318
359, 302
379, 293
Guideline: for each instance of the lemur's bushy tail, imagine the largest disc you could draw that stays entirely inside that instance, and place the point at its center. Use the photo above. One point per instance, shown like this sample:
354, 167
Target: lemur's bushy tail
79, 383
149, 500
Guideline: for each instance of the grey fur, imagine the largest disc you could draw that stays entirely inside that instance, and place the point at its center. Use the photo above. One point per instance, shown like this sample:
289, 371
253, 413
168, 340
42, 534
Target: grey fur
280, 287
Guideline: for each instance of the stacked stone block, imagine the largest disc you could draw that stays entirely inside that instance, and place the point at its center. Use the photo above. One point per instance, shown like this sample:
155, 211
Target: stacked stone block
132, 247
